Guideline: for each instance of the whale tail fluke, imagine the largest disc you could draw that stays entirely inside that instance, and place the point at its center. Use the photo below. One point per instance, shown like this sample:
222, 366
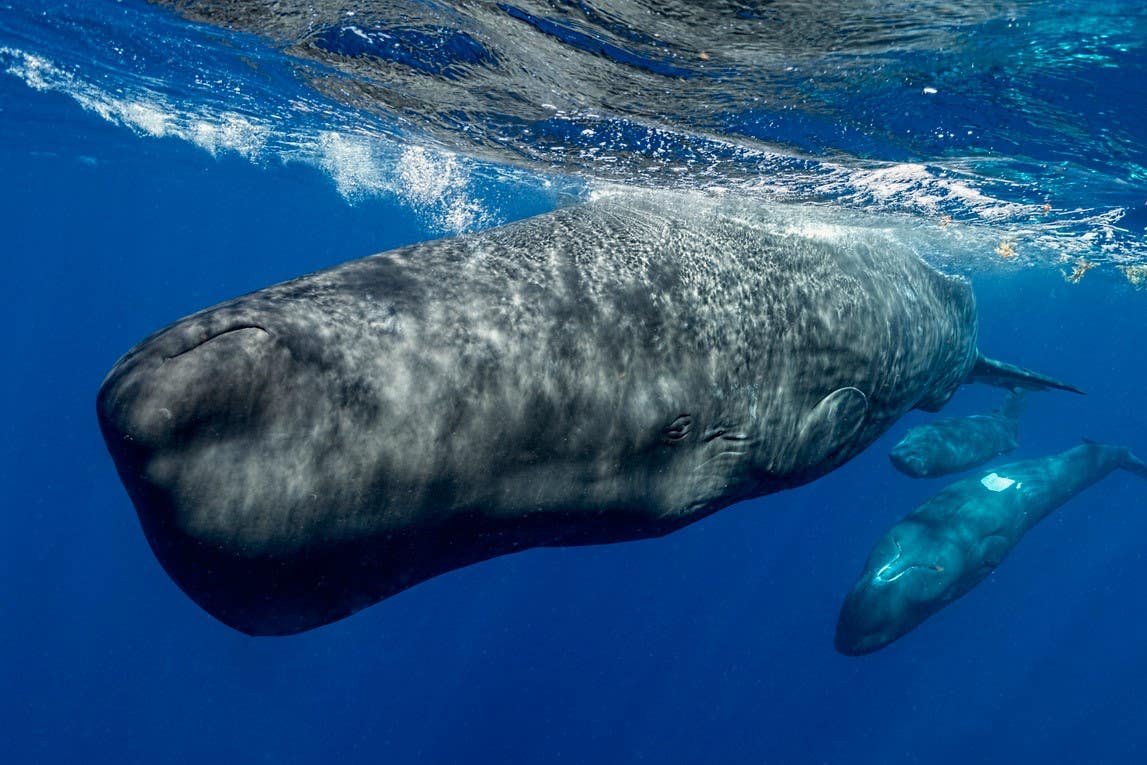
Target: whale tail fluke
1130, 462
1135, 465
1004, 375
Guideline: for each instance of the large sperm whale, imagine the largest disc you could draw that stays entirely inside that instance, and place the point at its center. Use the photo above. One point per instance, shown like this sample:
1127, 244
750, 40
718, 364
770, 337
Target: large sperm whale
945, 547
952, 444
604, 372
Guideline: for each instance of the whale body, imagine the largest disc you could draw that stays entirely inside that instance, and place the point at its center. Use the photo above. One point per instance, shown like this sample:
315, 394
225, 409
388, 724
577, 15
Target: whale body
945, 547
604, 372
953, 444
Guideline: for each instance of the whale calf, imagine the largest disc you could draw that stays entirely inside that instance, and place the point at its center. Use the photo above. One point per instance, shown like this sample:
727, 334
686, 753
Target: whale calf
605, 372
953, 444
945, 547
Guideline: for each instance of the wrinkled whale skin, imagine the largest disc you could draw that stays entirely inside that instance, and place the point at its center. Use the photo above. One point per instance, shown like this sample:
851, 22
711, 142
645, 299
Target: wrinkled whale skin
604, 372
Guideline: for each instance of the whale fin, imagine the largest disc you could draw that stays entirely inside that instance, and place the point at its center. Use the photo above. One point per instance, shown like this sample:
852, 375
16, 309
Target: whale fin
1006, 375
828, 427
1013, 405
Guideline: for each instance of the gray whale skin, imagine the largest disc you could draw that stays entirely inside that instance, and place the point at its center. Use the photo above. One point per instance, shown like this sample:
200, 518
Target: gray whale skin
605, 372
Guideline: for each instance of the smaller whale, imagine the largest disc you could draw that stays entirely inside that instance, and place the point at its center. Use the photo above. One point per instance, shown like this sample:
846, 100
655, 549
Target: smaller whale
948, 545
953, 444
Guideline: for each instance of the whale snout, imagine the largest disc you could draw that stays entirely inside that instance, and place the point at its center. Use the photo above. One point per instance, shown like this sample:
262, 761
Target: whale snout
183, 415
866, 623
909, 461
908, 576
189, 377
223, 431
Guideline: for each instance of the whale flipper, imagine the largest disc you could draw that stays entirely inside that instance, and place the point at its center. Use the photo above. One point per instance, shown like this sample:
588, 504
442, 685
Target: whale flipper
829, 425
1004, 375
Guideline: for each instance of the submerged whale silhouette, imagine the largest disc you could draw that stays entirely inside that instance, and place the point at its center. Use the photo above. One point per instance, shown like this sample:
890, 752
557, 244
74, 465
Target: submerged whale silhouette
605, 372
948, 545
953, 444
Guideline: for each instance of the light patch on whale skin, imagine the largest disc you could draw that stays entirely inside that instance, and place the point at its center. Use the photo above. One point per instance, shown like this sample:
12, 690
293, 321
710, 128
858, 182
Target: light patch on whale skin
997, 482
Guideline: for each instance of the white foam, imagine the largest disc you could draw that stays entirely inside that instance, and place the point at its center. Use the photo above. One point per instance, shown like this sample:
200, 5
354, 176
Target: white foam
143, 111
230, 132
440, 183
435, 184
354, 163
915, 186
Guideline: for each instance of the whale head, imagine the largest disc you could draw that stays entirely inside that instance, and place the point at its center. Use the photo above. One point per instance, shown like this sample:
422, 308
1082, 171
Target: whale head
928, 450
909, 458
238, 432
910, 574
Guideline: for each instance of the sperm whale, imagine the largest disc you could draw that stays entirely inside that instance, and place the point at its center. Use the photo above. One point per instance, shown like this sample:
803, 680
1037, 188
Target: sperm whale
948, 545
604, 372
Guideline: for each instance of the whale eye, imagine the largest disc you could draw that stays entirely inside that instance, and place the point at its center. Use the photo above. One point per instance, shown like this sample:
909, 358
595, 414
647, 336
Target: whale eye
678, 429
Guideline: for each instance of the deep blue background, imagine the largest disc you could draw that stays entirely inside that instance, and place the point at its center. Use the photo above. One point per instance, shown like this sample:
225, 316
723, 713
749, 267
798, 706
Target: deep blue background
711, 645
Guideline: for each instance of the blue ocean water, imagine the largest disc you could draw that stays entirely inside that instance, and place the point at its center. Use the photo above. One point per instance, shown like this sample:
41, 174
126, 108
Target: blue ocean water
155, 164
